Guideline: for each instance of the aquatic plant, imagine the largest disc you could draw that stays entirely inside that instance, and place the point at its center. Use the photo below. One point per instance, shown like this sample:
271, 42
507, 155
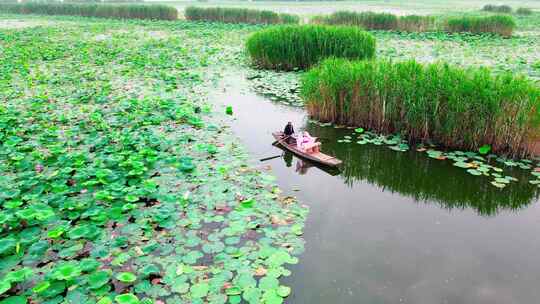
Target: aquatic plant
130, 11
458, 108
498, 24
238, 15
366, 20
378, 21
288, 47
497, 8
524, 11
118, 183
415, 23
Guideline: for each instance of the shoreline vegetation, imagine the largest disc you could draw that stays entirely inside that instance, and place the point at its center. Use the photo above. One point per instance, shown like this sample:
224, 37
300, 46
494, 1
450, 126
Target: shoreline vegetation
498, 24
99, 10
458, 108
238, 15
378, 21
502, 24
291, 47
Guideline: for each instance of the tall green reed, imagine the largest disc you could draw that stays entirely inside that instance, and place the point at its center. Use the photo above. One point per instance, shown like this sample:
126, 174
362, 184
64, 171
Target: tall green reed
524, 11
238, 15
459, 108
378, 21
499, 24
127, 11
505, 9
288, 47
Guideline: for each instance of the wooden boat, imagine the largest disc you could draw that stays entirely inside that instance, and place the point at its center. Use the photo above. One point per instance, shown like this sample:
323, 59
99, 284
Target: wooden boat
316, 157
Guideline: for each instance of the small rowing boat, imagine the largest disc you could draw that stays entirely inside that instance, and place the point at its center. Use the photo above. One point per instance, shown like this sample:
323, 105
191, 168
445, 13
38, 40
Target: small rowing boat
316, 157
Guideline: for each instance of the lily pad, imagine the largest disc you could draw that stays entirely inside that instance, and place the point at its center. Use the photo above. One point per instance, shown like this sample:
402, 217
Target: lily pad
127, 298
126, 277
474, 172
199, 290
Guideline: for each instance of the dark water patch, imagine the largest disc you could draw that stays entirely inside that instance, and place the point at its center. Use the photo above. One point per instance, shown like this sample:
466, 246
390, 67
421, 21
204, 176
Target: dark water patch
423, 179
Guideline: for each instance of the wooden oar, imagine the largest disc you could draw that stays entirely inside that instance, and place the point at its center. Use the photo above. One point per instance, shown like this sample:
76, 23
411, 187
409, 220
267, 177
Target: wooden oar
271, 157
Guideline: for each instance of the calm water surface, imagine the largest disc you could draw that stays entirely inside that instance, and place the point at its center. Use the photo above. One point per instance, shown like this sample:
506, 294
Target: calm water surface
395, 227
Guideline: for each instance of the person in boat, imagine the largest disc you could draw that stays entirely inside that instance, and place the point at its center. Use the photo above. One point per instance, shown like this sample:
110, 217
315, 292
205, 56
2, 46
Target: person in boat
307, 143
289, 133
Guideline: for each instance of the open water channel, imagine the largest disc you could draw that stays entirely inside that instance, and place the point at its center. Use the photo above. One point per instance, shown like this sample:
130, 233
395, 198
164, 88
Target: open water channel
395, 227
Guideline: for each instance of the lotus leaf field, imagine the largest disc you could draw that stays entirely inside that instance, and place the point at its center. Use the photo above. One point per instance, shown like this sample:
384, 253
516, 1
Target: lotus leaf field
120, 183
123, 183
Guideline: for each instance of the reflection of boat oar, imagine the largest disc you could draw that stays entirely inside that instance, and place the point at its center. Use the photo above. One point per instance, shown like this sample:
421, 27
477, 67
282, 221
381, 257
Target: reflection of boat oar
271, 157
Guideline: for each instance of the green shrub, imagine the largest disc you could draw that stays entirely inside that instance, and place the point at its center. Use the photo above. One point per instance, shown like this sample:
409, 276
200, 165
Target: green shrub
459, 108
499, 24
505, 9
378, 21
524, 11
128, 11
301, 46
237, 15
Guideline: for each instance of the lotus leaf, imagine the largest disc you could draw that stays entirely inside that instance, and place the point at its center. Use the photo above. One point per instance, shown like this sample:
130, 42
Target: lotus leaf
199, 290
271, 297
283, 291
98, 279
14, 300
104, 300
474, 172
126, 277
7, 246
66, 272
20, 275
268, 283
5, 285
498, 185
127, 298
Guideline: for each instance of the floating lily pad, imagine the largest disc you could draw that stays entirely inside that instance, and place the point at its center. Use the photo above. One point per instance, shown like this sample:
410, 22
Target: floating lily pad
127, 298
14, 300
4, 286
474, 172
199, 290
498, 185
283, 291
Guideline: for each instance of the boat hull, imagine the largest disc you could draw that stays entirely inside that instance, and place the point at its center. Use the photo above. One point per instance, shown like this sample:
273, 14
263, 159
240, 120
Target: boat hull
318, 157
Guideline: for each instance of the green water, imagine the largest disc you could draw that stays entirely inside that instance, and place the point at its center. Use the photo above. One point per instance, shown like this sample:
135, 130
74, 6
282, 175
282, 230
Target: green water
396, 227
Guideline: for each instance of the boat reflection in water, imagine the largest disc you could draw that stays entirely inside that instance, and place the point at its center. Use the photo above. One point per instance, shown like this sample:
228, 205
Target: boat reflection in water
417, 176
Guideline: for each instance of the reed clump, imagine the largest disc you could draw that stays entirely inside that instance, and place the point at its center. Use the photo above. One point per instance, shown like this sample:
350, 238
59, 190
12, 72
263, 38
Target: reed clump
366, 20
499, 24
524, 11
378, 21
458, 108
289, 47
504, 9
238, 15
127, 11
416, 23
